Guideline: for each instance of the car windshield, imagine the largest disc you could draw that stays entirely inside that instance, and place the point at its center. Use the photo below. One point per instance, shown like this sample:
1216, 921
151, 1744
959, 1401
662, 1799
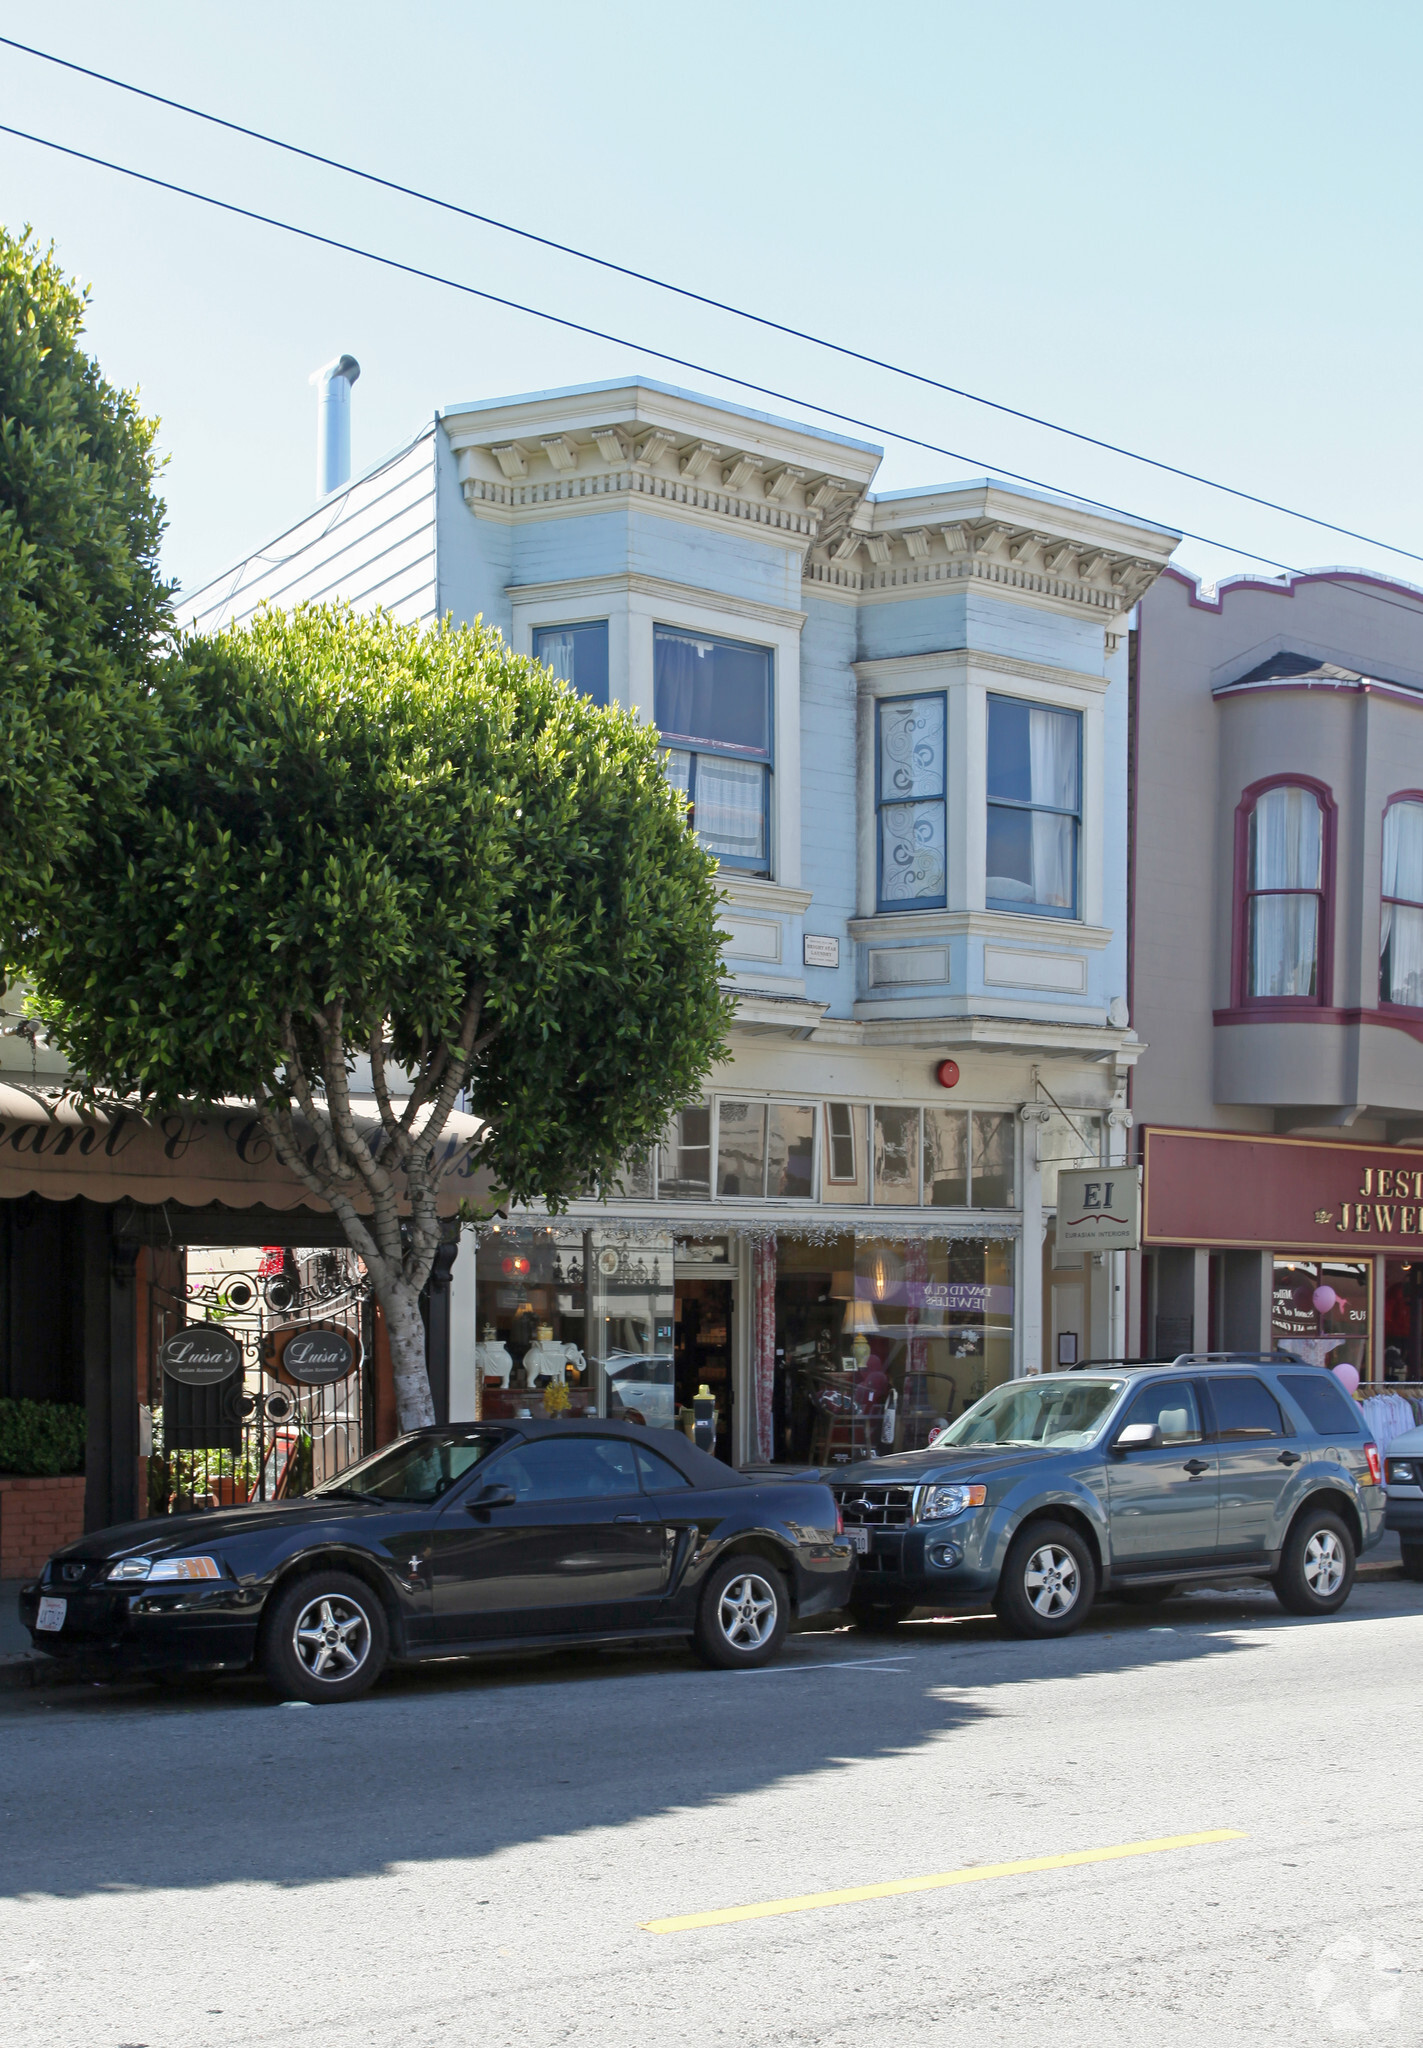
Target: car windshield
418, 1468
1058, 1412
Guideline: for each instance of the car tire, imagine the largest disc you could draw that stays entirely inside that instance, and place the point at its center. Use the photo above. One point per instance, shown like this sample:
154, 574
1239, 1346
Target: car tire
1412, 1560
326, 1639
1143, 1596
1048, 1583
743, 1615
879, 1617
1316, 1573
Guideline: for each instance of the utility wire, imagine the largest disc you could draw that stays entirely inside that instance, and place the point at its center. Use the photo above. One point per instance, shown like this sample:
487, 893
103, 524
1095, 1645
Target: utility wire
621, 341
703, 299
681, 362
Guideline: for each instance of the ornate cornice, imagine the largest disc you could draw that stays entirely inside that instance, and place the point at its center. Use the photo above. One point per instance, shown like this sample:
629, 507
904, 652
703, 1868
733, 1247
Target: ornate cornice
986, 551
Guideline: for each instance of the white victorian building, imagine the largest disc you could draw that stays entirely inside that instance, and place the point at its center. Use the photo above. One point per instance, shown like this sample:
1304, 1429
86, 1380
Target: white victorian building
901, 722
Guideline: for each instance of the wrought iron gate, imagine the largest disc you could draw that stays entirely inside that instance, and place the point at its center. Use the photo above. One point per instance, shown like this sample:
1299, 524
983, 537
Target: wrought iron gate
266, 1432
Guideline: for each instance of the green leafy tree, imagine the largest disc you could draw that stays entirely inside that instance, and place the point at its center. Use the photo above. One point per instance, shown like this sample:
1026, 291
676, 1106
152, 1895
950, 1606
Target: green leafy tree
365, 842
81, 599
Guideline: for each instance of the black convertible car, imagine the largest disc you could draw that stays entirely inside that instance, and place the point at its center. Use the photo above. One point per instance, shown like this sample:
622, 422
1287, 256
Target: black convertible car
451, 1541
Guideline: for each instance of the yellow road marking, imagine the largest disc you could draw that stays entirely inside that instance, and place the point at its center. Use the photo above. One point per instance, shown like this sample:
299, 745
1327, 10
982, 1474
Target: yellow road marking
976, 1874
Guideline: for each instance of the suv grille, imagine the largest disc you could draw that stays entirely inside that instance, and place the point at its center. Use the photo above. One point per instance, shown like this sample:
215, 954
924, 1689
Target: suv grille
877, 1507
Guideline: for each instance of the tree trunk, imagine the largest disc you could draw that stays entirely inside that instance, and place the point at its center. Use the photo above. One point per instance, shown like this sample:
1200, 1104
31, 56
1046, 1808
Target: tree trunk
413, 1401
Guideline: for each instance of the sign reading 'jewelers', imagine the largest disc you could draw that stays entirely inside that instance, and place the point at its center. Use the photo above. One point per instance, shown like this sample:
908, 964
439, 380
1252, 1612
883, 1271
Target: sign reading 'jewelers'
200, 1356
317, 1356
1289, 1194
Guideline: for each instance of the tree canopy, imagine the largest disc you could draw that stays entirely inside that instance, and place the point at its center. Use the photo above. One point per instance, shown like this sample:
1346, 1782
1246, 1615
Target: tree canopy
81, 599
361, 840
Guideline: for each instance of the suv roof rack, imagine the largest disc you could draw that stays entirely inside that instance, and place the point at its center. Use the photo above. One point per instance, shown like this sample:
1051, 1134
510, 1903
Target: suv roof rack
1185, 1358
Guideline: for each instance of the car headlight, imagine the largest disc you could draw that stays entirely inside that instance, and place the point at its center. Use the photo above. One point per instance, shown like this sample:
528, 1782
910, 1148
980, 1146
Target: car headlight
153, 1569
1403, 1472
942, 1503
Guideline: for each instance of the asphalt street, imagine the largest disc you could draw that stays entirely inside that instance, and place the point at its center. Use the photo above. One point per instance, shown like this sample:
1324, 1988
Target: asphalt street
474, 1853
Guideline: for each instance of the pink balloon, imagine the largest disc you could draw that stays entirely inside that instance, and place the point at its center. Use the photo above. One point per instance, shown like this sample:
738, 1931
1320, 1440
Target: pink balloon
1324, 1299
1347, 1377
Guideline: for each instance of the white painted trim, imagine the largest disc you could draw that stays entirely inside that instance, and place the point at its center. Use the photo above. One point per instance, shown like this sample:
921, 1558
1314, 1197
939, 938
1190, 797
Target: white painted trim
888, 674
751, 893
596, 589
977, 924
1017, 967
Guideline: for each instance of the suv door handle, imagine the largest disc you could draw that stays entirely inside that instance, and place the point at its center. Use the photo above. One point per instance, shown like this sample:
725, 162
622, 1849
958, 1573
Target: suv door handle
1288, 1458
1196, 1466
627, 1518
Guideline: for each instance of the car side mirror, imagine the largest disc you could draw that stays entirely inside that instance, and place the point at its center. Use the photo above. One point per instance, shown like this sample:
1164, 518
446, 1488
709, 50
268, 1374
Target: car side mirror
492, 1496
1138, 1436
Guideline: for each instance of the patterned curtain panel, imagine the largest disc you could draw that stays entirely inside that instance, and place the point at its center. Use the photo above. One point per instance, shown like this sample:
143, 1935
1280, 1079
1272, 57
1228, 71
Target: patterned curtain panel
911, 771
763, 1347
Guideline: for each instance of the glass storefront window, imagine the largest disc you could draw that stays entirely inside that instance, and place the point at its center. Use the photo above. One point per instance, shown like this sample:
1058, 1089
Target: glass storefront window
574, 1323
1403, 1320
897, 1157
765, 1149
1065, 1141
946, 1158
993, 1160
880, 1341
1319, 1310
844, 1153
684, 1156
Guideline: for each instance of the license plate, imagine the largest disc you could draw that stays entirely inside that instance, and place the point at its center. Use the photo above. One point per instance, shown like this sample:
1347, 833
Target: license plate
860, 1538
51, 1614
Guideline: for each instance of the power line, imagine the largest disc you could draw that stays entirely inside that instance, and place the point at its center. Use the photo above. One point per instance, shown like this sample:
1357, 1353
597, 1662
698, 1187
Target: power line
681, 362
703, 299
620, 341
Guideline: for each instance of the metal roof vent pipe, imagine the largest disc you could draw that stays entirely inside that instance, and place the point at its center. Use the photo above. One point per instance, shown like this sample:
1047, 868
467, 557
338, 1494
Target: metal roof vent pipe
333, 383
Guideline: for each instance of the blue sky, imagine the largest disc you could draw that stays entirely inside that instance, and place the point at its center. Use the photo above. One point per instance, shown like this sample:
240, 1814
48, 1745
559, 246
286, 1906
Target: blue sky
1193, 230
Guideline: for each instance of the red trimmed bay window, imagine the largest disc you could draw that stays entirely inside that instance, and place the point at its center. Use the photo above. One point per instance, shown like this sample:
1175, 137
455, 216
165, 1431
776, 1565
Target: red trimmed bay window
1284, 870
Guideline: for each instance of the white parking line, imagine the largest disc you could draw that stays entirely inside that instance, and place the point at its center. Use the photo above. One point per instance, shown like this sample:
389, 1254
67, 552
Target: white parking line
839, 1664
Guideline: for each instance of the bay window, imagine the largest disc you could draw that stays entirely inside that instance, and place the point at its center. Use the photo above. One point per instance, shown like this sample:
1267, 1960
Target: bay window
712, 705
1034, 807
910, 802
578, 656
1401, 931
1284, 895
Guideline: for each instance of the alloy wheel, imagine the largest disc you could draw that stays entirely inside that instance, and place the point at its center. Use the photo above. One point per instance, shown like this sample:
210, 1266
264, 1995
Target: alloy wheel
747, 1611
1051, 1580
1323, 1563
332, 1638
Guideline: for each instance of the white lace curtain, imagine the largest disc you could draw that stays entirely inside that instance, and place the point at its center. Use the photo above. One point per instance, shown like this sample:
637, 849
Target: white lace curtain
1401, 930
1286, 853
1052, 756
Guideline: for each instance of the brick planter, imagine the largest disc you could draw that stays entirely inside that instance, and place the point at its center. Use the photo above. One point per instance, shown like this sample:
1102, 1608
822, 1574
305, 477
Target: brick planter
37, 1517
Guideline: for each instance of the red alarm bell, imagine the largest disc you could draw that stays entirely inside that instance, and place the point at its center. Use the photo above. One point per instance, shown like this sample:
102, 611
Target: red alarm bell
947, 1073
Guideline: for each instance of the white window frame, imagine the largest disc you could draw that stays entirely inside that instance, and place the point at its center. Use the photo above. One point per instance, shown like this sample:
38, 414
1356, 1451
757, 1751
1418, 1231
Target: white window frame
632, 605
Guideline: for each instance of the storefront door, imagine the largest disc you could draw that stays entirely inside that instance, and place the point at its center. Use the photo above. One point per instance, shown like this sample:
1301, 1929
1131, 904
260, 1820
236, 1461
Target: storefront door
579, 1546
703, 1350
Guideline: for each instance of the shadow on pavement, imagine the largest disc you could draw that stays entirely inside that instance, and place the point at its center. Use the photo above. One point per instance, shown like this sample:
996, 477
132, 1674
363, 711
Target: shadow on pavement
124, 1787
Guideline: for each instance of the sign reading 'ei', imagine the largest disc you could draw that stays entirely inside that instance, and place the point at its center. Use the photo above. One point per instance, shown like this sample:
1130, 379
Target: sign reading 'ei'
1099, 1208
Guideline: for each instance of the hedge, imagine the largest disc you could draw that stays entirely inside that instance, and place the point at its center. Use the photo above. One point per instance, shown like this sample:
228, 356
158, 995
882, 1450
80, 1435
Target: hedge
41, 1439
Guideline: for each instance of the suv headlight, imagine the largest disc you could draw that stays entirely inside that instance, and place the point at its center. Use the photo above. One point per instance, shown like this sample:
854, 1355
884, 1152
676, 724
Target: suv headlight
942, 1503
154, 1569
1403, 1472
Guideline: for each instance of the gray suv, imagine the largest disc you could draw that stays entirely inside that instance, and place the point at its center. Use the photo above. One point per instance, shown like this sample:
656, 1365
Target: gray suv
1129, 1483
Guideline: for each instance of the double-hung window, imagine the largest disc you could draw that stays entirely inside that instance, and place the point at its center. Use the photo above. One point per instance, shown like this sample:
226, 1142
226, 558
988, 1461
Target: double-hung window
712, 704
578, 656
1284, 895
1034, 807
1401, 932
910, 765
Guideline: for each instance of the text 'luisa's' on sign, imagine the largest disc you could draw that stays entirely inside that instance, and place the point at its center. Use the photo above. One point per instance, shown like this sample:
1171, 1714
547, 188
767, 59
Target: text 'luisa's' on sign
1099, 1208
